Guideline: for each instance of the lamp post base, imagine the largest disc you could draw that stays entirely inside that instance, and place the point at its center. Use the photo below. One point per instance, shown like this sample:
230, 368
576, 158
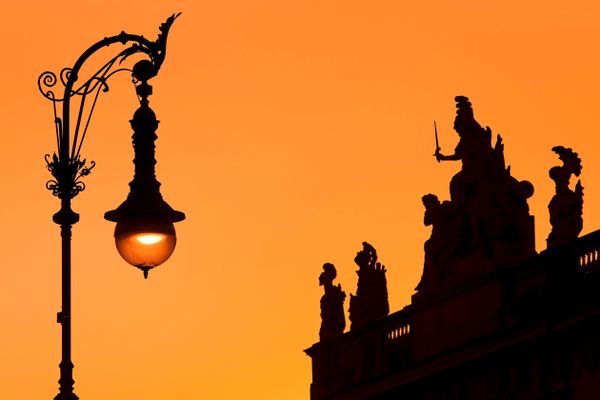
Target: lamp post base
66, 391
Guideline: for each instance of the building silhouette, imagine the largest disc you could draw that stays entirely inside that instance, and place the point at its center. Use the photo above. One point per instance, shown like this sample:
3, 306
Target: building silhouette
491, 317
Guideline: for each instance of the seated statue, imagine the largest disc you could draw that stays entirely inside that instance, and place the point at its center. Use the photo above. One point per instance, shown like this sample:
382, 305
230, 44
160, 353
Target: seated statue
440, 244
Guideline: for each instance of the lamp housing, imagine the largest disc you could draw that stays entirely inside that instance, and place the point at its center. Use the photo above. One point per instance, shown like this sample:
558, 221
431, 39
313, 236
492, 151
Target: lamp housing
144, 234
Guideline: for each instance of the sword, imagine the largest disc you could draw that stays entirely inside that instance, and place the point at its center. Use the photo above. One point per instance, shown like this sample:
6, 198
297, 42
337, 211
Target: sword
437, 143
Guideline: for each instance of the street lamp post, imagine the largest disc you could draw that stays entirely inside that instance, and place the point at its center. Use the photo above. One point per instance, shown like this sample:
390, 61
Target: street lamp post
144, 234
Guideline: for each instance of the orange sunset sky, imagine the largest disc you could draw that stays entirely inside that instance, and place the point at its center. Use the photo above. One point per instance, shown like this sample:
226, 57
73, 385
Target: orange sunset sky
291, 131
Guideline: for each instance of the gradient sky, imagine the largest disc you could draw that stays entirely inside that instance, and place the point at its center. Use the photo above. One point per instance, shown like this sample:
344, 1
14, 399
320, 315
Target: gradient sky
291, 131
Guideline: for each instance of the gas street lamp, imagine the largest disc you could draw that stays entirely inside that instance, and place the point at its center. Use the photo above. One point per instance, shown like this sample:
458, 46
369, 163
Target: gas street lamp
144, 232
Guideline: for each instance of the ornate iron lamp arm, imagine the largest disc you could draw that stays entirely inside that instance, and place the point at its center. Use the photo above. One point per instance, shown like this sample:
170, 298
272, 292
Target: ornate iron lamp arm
65, 165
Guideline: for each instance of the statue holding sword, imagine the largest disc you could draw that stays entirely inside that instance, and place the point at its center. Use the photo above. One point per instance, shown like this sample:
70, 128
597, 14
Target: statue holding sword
474, 150
487, 218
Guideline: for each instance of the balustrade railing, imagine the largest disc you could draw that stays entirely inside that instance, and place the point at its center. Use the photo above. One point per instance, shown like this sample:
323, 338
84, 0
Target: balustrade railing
397, 327
588, 252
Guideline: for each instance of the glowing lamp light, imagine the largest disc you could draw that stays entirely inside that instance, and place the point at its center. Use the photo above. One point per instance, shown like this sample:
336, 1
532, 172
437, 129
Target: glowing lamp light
145, 244
148, 238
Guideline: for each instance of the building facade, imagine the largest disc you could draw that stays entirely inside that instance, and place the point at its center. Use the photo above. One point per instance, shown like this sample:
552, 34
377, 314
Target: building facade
491, 318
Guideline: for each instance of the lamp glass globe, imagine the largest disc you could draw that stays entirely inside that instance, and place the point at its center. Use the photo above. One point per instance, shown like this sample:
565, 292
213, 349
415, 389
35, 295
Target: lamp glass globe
144, 243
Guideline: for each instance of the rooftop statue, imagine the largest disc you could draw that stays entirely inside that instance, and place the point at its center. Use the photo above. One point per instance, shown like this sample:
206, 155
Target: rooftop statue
333, 321
436, 248
566, 207
486, 224
371, 300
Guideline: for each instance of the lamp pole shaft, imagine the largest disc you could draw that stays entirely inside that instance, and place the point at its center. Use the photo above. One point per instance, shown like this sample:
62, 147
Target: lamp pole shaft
66, 218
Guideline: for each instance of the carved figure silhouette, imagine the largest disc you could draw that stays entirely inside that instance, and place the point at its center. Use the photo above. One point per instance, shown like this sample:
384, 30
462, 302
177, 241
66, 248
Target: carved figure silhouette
438, 247
371, 300
333, 321
566, 206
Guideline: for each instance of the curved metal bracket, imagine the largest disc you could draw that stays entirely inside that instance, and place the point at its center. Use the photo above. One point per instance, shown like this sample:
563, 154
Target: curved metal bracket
66, 165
